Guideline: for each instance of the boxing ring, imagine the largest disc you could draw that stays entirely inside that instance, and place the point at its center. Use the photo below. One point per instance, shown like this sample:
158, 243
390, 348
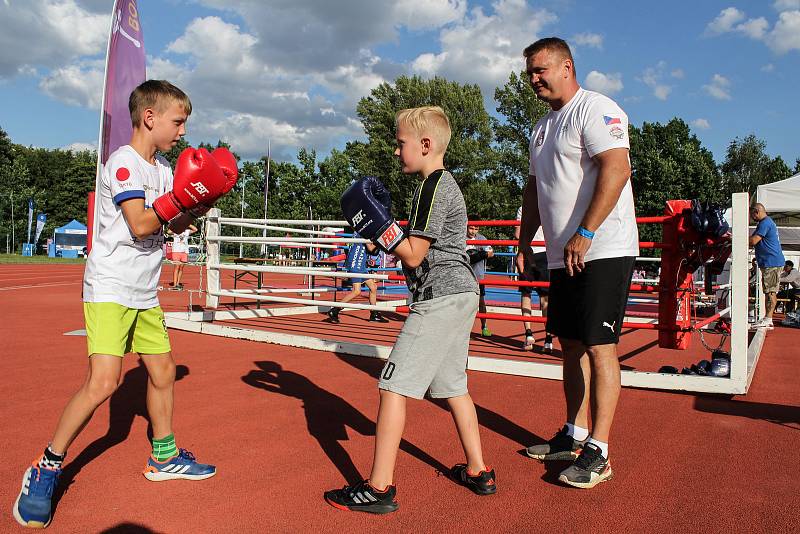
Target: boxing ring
674, 324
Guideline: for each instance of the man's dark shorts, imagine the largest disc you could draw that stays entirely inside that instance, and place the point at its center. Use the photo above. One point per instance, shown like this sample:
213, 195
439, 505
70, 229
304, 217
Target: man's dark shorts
590, 305
538, 272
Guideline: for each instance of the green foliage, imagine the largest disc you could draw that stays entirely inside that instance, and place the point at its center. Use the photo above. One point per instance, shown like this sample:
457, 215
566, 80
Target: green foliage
747, 166
669, 162
469, 156
521, 110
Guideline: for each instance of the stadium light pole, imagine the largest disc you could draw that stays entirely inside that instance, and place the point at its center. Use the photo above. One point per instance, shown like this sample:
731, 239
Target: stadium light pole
13, 230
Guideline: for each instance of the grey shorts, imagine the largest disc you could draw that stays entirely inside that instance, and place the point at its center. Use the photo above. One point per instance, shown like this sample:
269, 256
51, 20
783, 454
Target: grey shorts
430, 354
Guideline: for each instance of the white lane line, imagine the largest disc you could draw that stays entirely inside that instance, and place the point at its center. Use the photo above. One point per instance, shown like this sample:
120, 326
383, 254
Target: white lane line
33, 286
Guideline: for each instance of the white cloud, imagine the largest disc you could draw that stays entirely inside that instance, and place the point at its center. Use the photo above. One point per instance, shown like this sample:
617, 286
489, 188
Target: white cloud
769, 67
42, 33
592, 40
754, 28
725, 21
608, 84
677, 73
701, 124
718, 88
80, 146
786, 5
785, 36
78, 84
653, 76
484, 48
430, 14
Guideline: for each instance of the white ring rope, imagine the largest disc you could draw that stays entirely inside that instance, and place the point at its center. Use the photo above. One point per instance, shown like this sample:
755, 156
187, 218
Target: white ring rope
289, 300
228, 220
282, 229
282, 240
296, 270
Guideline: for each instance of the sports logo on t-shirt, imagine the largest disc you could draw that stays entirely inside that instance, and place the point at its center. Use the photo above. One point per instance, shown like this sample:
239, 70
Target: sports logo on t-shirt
540, 139
123, 174
616, 132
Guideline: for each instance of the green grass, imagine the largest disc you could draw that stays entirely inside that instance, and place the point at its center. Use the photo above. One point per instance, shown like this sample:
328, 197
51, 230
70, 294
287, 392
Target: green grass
17, 258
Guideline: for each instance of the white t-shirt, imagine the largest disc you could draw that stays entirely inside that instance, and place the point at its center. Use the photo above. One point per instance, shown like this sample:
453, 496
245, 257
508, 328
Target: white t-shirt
122, 268
180, 242
539, 233
562, 146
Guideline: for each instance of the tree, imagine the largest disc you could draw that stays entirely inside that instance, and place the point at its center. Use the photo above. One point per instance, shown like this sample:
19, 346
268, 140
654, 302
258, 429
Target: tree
521, 110
747, 166
469, 156
668, 162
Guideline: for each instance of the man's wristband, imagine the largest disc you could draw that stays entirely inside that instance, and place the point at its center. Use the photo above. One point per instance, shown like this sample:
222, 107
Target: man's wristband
583, 232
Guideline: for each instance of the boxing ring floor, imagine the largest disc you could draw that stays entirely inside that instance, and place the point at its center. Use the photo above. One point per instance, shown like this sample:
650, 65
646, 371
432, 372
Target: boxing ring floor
284, 424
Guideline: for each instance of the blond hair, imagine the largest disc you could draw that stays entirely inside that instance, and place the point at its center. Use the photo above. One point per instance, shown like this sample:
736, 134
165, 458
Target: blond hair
156, 95
427, 121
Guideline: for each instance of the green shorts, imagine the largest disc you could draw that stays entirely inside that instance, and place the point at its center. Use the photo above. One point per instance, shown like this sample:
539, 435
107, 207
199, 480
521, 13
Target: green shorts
115, 329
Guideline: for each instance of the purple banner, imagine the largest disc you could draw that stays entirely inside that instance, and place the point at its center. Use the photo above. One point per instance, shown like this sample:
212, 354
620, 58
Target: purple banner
124, 72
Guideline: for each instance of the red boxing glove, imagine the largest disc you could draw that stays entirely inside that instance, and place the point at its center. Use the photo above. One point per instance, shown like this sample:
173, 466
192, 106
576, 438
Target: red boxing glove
198, 180
227, 162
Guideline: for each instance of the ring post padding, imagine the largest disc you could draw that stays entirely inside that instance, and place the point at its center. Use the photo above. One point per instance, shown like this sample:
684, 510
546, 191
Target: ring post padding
212, 250
675, 288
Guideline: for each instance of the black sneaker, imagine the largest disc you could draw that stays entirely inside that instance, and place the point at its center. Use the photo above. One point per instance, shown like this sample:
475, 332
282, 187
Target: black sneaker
483, 483
376, 317
363, 498
333, 314
562, 446
590, 469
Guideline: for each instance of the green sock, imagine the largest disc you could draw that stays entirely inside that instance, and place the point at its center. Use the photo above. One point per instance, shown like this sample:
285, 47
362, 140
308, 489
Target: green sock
164, 448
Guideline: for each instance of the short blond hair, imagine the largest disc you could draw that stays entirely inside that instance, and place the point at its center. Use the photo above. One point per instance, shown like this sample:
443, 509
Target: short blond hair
156, 95
428, 121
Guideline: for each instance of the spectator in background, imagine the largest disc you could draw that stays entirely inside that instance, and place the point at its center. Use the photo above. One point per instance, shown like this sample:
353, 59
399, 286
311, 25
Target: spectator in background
769, 257
790, 280
180, 255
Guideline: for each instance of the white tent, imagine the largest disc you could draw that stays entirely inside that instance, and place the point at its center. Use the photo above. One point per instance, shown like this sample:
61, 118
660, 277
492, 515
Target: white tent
782, 202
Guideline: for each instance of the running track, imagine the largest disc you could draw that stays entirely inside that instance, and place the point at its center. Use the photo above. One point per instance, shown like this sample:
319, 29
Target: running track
284, 424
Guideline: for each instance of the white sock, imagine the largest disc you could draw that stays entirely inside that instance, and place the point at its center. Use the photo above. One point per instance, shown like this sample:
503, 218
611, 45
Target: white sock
602, 446
577, 432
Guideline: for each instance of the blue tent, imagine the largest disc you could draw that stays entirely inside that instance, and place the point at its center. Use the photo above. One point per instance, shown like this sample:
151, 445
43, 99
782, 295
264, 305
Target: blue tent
70, 237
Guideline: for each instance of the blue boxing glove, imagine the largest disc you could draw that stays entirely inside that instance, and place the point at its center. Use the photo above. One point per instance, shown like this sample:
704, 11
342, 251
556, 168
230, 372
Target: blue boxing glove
367, 207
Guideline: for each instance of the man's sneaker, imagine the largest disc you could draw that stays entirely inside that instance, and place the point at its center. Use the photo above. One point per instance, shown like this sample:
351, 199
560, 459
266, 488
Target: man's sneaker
548, 344
483, 483
363, 498
529, 342
183, 465
33, 507
763, 323
376, 317
333, 314
562, 446
485, 332
590, 469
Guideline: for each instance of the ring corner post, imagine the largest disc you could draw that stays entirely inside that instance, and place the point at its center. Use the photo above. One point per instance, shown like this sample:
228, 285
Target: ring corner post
212, 250
739, 290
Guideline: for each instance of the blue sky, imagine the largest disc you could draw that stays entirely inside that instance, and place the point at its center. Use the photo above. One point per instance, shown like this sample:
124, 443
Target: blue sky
291, 71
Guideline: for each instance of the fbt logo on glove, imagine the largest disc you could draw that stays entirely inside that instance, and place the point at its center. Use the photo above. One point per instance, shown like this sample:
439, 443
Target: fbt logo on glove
358, 217
391, 237
200, 188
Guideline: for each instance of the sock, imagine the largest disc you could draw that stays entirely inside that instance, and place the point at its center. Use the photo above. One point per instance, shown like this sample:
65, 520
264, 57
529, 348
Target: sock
164, 448
548, 338
528, 333
602, 446
578, 433
51, 460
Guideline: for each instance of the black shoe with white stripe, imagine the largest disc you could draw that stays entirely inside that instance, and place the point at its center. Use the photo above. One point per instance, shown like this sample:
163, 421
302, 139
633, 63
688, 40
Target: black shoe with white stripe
363, 498
590, 469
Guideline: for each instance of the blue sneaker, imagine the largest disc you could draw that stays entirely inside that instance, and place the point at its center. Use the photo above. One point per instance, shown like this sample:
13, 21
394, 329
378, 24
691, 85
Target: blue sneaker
183, 465
33, 507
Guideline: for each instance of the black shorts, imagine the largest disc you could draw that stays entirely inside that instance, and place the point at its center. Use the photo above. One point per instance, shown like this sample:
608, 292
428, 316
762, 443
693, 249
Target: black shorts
483, 291
537, 273
589, 307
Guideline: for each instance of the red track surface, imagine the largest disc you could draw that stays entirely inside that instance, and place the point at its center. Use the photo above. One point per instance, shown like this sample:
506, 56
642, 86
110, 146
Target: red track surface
284, 424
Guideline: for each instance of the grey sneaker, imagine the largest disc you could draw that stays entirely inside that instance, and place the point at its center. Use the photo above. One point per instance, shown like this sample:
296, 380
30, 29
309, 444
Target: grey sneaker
590, 469
562, 446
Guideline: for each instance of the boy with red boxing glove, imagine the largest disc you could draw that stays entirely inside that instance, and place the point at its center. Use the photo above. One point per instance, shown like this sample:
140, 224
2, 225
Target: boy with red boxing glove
136, 198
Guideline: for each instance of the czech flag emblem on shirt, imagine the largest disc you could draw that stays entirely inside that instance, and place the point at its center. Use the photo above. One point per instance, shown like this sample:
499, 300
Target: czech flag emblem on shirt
611, 120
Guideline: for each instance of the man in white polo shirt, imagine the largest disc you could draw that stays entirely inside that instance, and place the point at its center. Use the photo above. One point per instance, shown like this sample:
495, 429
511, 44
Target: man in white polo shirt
579, 191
